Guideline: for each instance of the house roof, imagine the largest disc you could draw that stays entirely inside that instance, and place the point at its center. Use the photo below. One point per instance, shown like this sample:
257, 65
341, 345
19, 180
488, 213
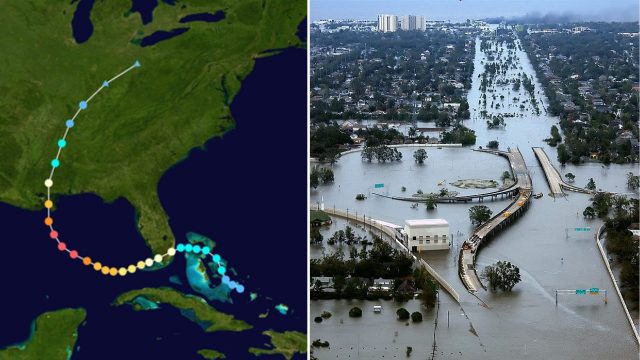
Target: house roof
427, 222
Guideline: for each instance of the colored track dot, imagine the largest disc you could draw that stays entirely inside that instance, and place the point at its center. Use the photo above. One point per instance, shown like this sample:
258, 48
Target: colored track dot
86, 260
171, 251
83, 105
157, 258
206, 250
232, 284
113, 271
188, 248
53, 234
216, 257
62, 246
240, 289
105, 270
48, 204
69, 123
131, 269
225, 279
55, 163
137, 64
48, 183
140, 265
148, 262
62, 143
122, 271
196, 249
73, 254
48, 221
180, 247
105, 83
222, 270
97, 266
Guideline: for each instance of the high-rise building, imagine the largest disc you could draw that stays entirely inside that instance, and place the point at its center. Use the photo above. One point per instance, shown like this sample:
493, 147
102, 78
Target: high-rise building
412, 22
387, 23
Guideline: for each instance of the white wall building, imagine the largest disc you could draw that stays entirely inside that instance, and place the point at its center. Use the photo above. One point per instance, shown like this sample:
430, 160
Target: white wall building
387, 23
412, 22
426, 234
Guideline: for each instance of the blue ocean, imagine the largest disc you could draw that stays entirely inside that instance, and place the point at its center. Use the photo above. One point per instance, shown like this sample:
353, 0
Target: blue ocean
246, 191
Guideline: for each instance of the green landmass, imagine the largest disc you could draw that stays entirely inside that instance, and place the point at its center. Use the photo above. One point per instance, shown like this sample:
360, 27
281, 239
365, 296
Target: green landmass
53, 336
143, 123
211, 354
286, 344
201, 312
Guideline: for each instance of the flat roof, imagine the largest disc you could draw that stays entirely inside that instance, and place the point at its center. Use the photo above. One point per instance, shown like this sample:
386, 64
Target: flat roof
427, 222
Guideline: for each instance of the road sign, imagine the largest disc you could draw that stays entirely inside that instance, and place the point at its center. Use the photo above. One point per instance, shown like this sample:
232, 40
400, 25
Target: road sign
581, 291
583, 229
594, 291
377, 186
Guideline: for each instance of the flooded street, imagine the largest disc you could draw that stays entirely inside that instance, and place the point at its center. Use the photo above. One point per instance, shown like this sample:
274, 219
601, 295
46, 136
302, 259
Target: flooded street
543, 243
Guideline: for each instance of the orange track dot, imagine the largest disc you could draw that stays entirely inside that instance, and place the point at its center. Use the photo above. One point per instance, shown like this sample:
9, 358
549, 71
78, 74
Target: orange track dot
97, 266
48, 204
113, 271
48, 221
105, 270
86, 260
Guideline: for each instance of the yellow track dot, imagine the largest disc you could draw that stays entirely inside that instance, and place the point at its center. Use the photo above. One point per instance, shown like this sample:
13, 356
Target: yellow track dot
171, 251
131, 269
157, 258
122, 271
113, 271
48, 221
148, 262
105, 270
97, 266
86, 260
140, 265
48, 204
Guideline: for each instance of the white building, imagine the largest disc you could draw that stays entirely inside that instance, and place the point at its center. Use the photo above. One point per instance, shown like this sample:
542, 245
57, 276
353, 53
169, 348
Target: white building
426, 234
412, 22
387, 23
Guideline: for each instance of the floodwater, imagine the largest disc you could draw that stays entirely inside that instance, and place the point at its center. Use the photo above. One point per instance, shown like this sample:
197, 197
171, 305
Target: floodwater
524, 324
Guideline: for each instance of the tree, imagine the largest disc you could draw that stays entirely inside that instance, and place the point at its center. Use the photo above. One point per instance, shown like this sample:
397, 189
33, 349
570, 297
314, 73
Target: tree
591, 185
428, 295
355, 312
412, 132
420, 155
479, 214
326, 175
316, 237
502, 275
633, 182
416, 316
315, 179
505, 175
403, 314
431, 202
493, 144
589, 212
570, 177
563, 154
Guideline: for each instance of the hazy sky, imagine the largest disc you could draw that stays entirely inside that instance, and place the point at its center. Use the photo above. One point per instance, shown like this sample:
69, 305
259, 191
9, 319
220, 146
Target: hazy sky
456, 10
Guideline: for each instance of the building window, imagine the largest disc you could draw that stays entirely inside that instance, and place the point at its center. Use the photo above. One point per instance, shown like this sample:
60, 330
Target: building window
435, 241
420, 242
414, 238
428, 242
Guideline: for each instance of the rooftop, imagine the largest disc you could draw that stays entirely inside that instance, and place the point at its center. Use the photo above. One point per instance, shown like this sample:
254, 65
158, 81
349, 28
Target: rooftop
427, 222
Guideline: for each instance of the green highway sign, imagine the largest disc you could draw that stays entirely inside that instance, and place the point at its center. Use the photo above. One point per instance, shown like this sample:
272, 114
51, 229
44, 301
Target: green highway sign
594, 291
583, 229
581, 291
378, 186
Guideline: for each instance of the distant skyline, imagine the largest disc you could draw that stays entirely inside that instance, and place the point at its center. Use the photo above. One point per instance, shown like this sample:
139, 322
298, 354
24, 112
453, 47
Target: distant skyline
456, 10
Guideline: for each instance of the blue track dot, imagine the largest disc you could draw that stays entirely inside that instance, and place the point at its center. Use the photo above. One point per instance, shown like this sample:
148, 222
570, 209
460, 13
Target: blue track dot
70, 123
196, 249
232, 284
137, 64
83, 105
216, 257
188, 248
62, 143
240, 289
206, 250
225, 279
222, 270
180, 247
55, 163
105, 83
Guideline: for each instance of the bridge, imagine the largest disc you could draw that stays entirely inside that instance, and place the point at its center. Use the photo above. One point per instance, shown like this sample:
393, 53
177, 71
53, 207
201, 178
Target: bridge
554, 179
482, 233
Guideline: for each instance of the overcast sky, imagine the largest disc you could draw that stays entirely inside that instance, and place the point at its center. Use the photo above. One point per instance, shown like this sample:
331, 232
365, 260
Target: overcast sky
456, 10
